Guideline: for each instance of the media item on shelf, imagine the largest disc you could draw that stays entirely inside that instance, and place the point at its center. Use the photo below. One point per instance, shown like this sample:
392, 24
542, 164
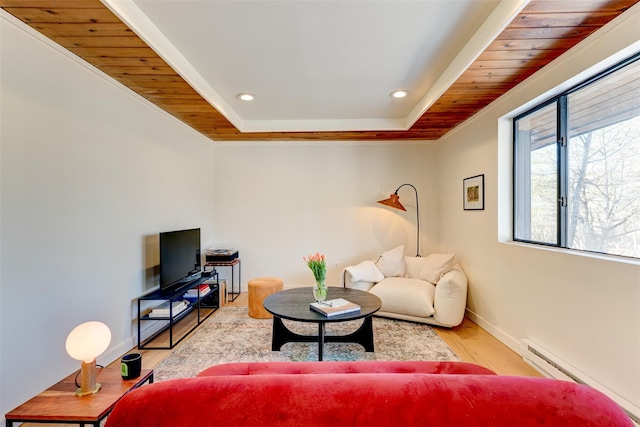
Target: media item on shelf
192, 293
334, 307
163, 310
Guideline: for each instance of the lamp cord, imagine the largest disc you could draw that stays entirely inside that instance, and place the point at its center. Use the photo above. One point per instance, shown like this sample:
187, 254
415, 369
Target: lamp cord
78, 374
417, 217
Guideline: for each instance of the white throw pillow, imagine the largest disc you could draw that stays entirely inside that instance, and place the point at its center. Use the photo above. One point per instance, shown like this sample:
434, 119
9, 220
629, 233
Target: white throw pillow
391, 263
365, 271
435, 265
412, 297
413, 266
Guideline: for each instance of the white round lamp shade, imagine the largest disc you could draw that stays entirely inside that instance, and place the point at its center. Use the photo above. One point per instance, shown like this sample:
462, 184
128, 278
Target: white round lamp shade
88, 341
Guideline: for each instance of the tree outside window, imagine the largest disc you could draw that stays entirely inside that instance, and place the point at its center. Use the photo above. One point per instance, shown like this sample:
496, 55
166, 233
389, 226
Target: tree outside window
577, 166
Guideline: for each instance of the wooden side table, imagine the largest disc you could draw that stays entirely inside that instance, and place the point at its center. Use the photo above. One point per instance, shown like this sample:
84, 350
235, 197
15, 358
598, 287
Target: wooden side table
59, 403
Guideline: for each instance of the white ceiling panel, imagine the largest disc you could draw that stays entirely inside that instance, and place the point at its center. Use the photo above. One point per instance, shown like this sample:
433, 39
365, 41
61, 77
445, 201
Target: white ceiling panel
318, 65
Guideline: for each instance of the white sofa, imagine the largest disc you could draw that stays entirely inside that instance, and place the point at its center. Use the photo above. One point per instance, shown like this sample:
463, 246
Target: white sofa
430, 289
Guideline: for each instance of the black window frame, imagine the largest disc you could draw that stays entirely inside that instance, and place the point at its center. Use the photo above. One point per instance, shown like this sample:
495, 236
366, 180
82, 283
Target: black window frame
562, 133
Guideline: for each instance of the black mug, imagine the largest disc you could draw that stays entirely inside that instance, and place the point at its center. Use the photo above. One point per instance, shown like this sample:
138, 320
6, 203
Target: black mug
131, 365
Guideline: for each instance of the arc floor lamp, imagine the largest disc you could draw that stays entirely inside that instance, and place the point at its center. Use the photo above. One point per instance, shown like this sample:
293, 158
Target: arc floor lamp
394, 202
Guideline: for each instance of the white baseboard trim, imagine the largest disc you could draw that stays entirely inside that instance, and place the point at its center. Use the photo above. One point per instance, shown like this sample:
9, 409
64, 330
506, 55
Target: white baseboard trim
520, 347
553, 367
511, 342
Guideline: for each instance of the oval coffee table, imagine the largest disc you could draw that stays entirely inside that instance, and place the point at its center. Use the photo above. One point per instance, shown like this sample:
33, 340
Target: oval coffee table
293, 304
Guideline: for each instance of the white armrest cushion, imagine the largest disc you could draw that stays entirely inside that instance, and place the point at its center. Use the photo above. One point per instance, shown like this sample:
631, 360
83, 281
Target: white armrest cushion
450, 298
348, 282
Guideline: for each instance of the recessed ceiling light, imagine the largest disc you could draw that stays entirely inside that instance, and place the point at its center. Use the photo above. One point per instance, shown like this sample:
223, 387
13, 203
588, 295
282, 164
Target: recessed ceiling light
399, 93
246, 96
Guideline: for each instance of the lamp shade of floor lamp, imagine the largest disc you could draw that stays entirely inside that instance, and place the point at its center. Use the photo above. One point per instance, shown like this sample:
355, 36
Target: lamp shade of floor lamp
86, 342
394, 202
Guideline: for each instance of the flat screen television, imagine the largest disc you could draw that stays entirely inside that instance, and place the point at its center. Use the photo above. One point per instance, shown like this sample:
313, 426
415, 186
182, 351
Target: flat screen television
180, 261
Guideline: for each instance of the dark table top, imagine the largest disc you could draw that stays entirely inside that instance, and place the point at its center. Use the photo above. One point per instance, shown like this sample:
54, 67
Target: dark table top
293, 304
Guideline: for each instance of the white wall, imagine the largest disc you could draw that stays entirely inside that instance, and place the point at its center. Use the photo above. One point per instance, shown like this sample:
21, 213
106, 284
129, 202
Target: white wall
279, 201
89, 175
584, 309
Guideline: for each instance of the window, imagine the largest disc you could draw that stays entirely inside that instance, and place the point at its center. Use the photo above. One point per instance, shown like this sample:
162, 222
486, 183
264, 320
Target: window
577, 166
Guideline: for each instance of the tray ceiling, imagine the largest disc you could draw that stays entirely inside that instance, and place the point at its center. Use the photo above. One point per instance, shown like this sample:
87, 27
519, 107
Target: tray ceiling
318, 69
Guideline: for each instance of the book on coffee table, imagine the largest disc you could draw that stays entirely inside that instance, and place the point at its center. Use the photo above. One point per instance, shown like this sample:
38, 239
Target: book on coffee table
333, 307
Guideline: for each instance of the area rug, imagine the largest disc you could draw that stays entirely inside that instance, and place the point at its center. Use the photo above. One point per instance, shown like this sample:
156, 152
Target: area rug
230, 335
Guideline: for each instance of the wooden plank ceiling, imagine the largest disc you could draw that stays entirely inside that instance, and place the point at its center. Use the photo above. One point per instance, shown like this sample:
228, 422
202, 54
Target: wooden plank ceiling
540, 33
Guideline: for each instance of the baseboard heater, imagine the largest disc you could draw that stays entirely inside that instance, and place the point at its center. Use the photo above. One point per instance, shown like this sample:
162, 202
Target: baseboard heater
551, 366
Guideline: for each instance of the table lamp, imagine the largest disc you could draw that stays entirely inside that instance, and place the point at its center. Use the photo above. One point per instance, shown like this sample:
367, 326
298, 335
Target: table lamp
394, 202
86, 342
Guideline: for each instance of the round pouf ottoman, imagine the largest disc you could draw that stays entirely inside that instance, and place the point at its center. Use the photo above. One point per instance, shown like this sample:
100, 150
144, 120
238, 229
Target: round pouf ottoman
259, 289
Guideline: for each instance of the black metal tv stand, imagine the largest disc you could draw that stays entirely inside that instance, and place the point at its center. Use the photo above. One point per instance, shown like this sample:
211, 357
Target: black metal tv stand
177, 325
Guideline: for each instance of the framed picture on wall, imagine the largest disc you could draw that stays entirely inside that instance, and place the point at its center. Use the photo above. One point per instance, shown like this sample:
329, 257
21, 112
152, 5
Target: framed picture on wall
473, 192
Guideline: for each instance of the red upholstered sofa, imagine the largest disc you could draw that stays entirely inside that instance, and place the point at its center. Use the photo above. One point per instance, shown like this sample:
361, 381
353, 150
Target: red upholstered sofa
364, 393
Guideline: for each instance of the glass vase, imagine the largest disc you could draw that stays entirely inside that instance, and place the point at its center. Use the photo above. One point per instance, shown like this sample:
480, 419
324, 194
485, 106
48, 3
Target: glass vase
320, 291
